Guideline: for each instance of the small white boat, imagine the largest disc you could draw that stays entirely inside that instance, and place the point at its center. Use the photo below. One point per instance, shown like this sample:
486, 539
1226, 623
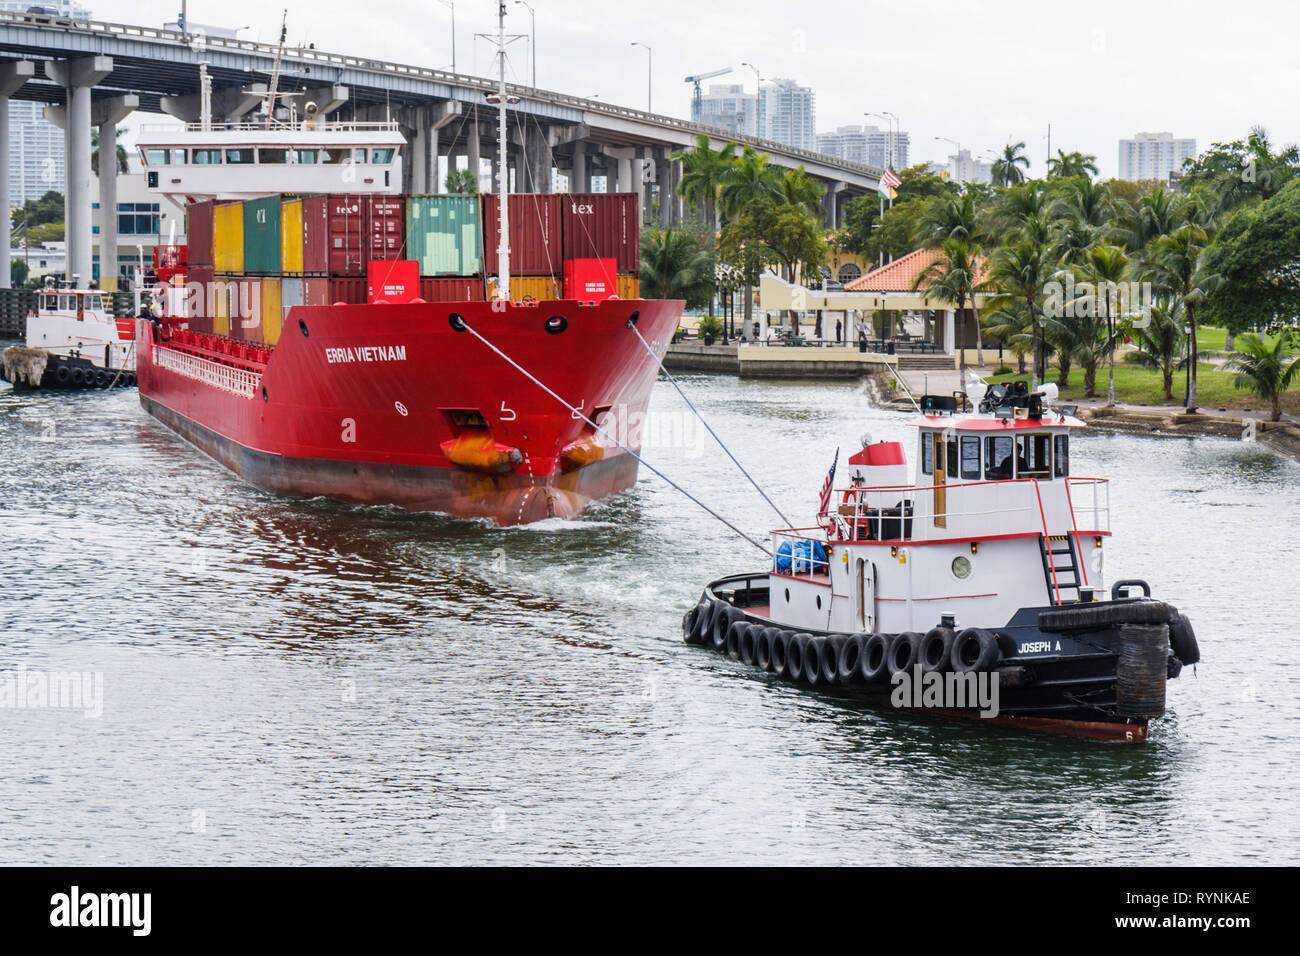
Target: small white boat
73, 342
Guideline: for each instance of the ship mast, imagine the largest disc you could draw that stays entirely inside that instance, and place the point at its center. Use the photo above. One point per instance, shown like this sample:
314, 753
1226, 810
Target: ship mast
272, 89
503, 171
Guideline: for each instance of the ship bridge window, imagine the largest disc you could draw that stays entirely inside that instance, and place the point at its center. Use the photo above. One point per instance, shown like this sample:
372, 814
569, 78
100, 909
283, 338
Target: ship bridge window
305, 157
927, 453
241, 156
179, 157
92, 302
381, 156
1062, 469
157, 157
970, 457
268, 156
336, 156
1034, 455
997, 457
207, 157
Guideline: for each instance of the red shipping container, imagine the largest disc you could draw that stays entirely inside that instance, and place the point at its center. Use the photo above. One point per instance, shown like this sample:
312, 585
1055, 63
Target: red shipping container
385, 227
590, 280
451, 289
393, 281
245, 308
348, 290
334, 235
534, 234
603, 226
198, 233
316, 292
199, 299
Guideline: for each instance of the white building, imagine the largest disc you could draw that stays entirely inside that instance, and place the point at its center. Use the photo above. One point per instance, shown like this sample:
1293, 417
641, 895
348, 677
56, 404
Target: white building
789, 114
1153, 155
866, 144
964, 168
35, 144
144, 219
727, 106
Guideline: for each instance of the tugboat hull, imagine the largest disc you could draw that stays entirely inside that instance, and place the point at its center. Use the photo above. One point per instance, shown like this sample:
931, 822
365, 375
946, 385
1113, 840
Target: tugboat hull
29, 369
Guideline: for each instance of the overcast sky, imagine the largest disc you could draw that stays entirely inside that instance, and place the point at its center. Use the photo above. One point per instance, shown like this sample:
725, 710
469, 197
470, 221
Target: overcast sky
983, 74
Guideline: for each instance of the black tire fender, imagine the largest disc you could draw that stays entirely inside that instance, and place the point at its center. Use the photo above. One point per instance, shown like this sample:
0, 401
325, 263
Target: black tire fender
936, 649
849, 666
830, 658
780, 652
796, 656
875, 658
812, 661
975, 649
763, 647
1183, 640
723, 616
735, 634
904, 652
1092, 617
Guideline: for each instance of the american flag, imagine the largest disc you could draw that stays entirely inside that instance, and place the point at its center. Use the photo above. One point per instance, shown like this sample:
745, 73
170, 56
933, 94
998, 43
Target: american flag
825, 506
890, 179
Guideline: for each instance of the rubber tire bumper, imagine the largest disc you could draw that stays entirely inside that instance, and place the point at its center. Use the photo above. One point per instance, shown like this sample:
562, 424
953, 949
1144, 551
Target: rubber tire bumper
875, 658
1092, 617
796, 656
904, 652
936, 649
780, 651
723, 617
829, 659
849, 665
975, 650
1183, 640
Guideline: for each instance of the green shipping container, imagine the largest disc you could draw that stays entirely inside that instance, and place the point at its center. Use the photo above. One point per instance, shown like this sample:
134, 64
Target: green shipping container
262, 236
444, 234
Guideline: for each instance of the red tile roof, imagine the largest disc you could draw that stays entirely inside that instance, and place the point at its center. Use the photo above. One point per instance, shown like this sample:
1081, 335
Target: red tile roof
901, 274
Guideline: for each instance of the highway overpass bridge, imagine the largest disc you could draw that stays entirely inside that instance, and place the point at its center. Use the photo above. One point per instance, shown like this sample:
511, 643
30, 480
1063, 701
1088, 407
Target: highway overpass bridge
92, 73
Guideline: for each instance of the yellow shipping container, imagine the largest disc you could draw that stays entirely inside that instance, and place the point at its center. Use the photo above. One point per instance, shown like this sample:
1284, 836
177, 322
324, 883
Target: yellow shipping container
228, 237
528, 287
220, 307
291, 237
629, 287
270, 311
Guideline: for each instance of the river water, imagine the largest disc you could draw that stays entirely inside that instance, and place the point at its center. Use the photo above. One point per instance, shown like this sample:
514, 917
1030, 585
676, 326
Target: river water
306, 682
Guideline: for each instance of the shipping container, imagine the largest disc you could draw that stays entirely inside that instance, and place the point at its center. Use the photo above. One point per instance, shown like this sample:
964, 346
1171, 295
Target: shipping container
629, 287
262, 236
244, 308
199, 296
452, 288
220, 306
589, 280
292, 291
291, 237
539, 288
228, 237
535, 247
385, 228
270, 311
346, 290
333, 235
444, 234
602, 226
198, 233
316, 291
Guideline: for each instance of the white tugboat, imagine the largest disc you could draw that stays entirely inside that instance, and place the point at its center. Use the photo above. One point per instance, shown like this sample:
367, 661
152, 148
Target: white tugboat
73, 341
989, 561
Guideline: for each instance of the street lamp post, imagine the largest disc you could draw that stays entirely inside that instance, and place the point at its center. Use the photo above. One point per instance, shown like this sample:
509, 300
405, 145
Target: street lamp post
649, 76
452, 7
758, 100
958, 157
532, 44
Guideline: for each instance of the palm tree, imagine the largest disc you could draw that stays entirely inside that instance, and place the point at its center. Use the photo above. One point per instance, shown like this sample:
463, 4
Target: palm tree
703, 170
1019, 271
750, 177
462, 181
797, 188
1010, 325
953, 277
1006, 168
1107, 266
1160, 344
1264, 365
122, 165
949, 216
1177, 266
675, 265
1068, 165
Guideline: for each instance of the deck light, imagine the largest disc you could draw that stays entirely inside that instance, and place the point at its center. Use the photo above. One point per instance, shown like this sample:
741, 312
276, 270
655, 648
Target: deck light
974, 547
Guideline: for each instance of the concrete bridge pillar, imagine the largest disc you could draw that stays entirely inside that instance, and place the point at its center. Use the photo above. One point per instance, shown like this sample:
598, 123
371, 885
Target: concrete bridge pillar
579, 179
12, 76
475, 157
78, 77
105, 115
832, 203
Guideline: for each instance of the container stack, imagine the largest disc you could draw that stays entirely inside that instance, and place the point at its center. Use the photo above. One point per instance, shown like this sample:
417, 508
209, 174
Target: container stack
254, 260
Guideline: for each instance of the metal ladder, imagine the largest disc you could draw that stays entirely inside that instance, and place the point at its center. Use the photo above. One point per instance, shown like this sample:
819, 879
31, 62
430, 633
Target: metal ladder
1062, 576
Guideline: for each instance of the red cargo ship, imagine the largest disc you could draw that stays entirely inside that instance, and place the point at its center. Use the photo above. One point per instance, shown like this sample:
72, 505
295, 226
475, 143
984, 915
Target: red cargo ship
369, 391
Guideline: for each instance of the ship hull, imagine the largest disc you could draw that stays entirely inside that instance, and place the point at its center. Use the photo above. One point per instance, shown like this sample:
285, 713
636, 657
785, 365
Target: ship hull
378, 404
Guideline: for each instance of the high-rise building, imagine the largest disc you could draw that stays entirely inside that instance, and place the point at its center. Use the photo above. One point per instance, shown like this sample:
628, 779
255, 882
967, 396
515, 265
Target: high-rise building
788, 114
1153, 155
36, 147
866, 144
727, 106
964, 168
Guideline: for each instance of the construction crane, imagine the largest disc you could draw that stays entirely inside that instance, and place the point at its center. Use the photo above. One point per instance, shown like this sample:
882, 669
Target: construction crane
697, 102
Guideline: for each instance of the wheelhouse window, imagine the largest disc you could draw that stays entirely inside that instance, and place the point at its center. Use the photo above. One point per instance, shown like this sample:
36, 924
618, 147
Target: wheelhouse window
998, 453
927, 453
336, 156
157, 157
381, 156
970, 457
243, 156
305, 157
272, 156
1062, 461
207, 157
950, 457
1034, 455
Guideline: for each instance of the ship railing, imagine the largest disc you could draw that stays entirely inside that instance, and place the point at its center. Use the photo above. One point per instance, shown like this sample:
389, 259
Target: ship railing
225, 377
254, 128
969, 509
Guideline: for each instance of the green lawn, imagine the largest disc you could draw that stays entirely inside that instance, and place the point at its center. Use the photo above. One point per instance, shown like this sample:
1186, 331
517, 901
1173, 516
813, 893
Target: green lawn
1140, 386
1210, 339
